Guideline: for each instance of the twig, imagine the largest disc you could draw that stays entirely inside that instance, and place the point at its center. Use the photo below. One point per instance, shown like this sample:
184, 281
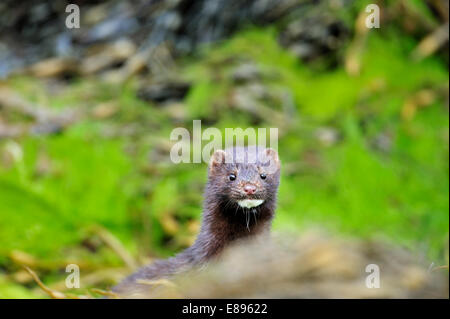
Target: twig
431, 43
94, 278
356, 48
106, 293
52, 293
440, 267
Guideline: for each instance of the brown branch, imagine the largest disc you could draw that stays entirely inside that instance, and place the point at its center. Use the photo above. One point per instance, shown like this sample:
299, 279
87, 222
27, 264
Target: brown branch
431, 43
52, 293
105, 293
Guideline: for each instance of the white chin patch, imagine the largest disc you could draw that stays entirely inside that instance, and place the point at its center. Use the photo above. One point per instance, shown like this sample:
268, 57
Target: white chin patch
250, 203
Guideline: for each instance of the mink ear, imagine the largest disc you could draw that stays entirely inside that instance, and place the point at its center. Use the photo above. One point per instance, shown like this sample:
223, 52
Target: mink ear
217, 159
274, 161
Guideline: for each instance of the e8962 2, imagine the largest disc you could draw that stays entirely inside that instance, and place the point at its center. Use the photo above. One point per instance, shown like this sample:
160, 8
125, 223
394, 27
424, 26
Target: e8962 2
246, 308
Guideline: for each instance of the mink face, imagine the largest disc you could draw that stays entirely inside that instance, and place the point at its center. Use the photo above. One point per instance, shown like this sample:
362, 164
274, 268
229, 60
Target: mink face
244, 178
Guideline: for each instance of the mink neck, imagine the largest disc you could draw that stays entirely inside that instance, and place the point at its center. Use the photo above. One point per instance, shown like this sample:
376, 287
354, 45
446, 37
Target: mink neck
224, 223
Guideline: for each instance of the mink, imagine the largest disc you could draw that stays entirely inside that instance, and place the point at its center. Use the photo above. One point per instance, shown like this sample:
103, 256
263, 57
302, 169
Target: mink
239, 202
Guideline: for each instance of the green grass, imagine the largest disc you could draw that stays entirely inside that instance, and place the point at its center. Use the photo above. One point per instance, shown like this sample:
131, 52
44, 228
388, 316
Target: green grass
66, 183
86, 185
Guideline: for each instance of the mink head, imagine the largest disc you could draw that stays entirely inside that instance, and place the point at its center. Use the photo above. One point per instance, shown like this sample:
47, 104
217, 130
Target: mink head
246, 177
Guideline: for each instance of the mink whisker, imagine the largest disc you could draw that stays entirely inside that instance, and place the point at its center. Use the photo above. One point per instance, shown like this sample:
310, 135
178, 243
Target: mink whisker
247, 218
254, 215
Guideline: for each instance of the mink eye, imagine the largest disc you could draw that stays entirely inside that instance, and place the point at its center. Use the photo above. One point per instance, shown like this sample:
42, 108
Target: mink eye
263, 176
232, 177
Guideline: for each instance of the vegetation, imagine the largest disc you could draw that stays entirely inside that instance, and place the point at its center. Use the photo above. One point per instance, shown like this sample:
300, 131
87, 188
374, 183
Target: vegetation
363, 155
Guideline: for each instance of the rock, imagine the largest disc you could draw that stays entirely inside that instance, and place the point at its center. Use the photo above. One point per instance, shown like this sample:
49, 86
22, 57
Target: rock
327, 136
246, 72
164, 92
33, 32
382, 142
310, 266
9, 62
46, 128
111, 28
10, 131
176, 111
105, 56
105, 110
313, 36
243, 100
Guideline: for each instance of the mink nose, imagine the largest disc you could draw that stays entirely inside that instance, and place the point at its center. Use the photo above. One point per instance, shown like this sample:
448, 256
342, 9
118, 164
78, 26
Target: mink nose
249, 189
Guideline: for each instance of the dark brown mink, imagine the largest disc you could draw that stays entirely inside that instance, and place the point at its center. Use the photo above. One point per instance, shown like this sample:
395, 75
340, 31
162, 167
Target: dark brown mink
240, 199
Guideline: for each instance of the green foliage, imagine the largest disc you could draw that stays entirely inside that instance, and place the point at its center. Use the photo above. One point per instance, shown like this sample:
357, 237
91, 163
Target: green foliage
10, 290
84, 187
64, 184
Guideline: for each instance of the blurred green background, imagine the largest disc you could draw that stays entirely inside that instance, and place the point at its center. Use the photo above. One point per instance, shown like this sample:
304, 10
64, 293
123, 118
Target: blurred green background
364, 144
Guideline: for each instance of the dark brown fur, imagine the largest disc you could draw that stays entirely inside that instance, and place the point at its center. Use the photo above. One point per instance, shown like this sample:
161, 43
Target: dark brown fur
223, 220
